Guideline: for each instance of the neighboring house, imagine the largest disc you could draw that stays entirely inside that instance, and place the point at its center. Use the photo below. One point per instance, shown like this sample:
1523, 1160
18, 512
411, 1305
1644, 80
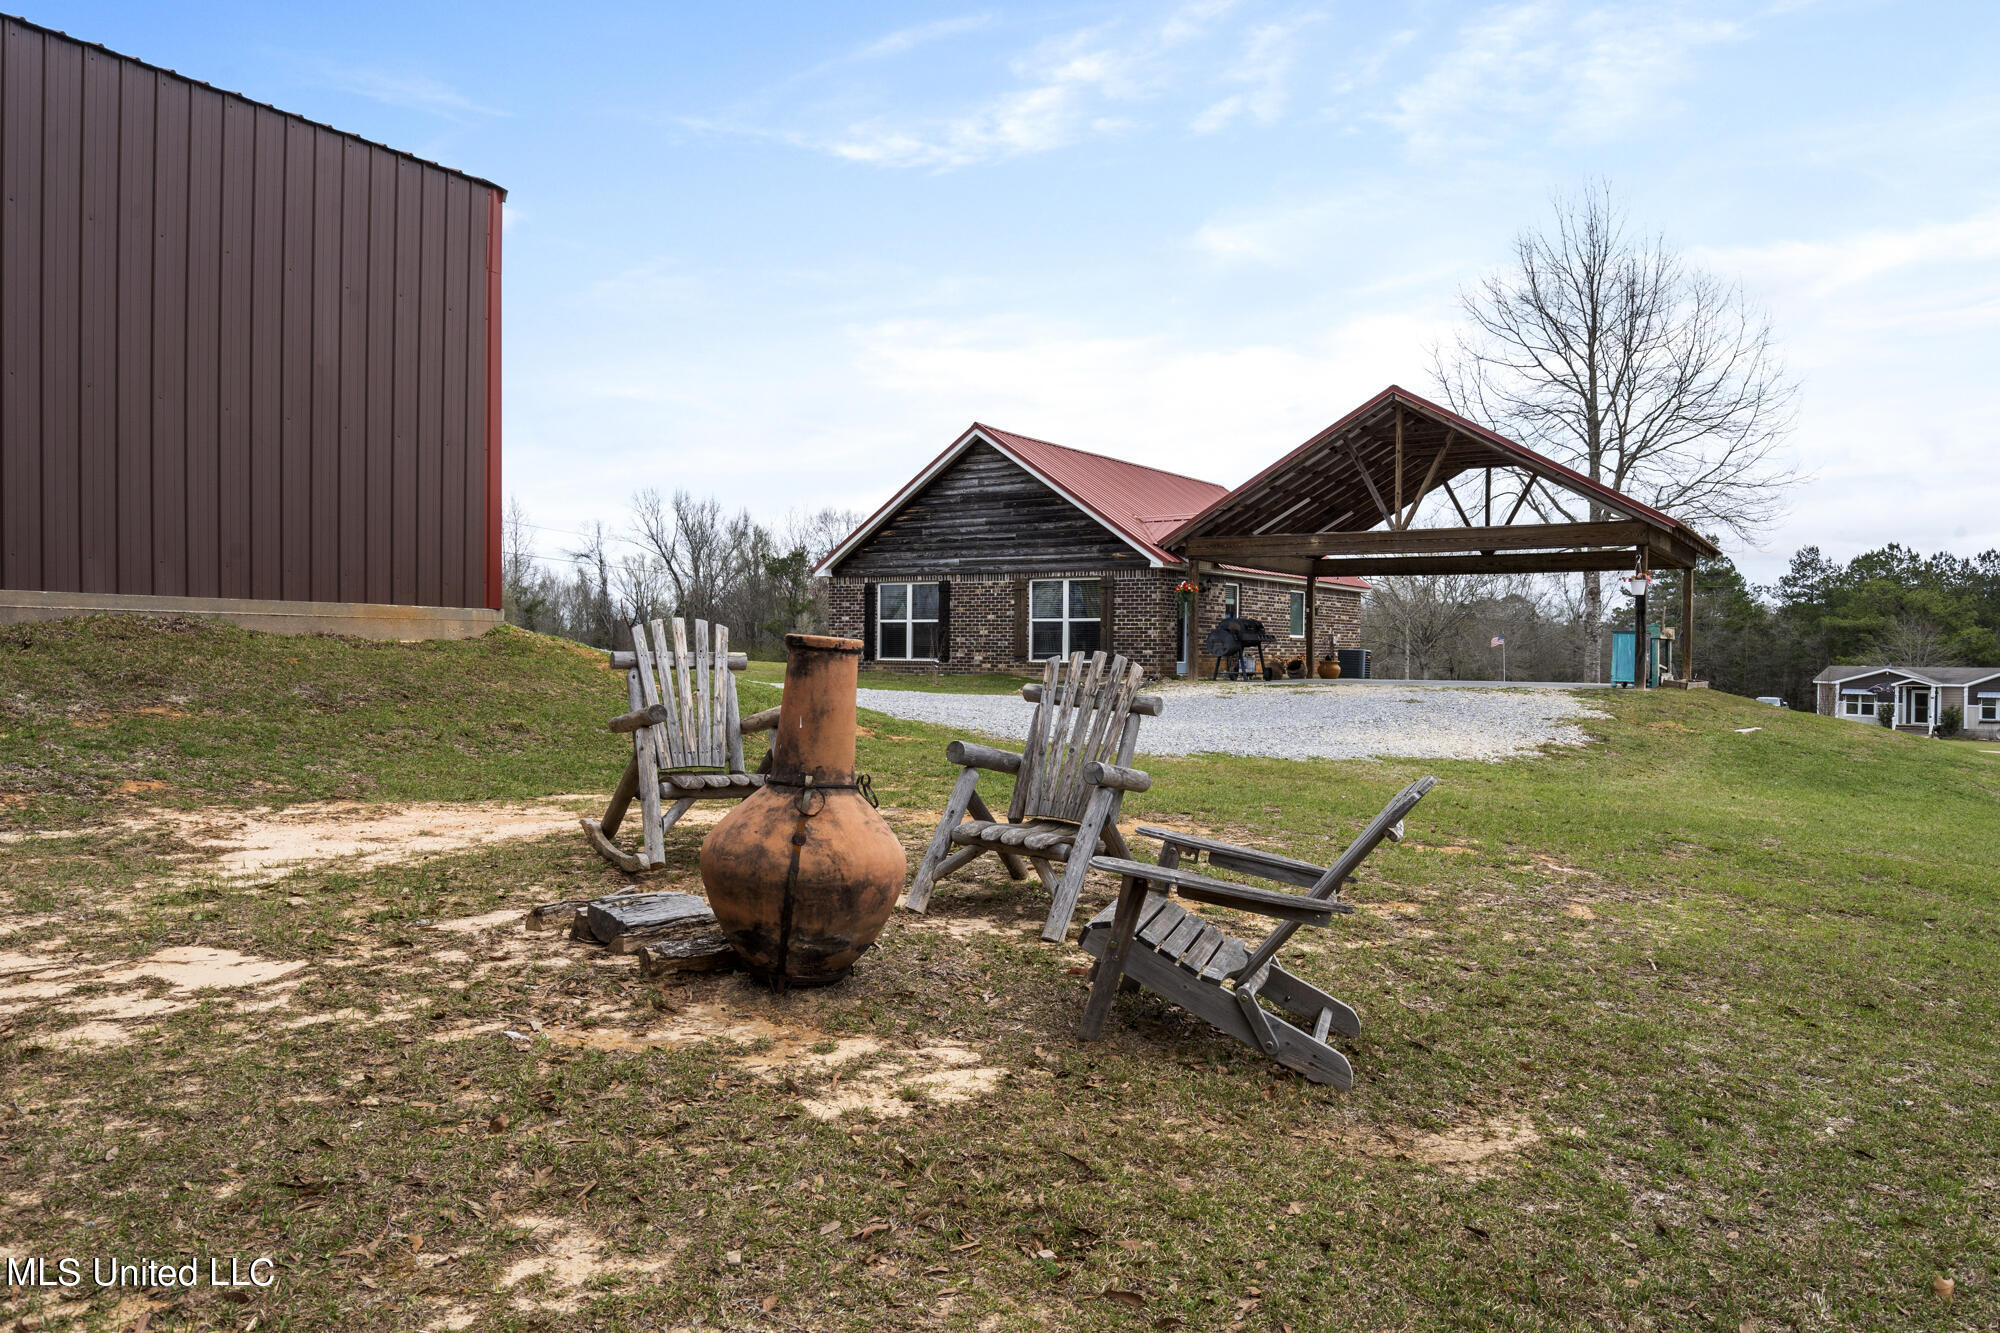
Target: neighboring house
1008, 550
250, 364
1915, 697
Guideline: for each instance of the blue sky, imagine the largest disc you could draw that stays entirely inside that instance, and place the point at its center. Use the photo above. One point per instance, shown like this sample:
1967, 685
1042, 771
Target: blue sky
784, 253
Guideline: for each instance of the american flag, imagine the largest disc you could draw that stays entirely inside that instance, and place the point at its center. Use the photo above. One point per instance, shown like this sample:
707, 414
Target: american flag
1497, 641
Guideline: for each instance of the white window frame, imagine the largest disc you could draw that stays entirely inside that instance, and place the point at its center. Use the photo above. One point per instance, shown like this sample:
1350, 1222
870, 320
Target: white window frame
1857, 705
1983, 705
1232, 601
909, 620
1066, 619
1295, 608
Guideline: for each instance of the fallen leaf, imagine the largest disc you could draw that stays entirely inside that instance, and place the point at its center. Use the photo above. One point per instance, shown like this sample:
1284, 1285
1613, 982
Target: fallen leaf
498, 1124
1131, 1300
1295, 1209
832, 1228
1136, 1245
871, 1229
1944, 1287
769, 1303
733, 1258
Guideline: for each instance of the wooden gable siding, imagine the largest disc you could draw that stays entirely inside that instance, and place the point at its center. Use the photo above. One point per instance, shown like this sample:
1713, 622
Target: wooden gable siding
985, 514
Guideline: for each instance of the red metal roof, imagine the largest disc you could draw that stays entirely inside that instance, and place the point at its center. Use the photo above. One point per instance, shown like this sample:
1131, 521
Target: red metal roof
1140, 504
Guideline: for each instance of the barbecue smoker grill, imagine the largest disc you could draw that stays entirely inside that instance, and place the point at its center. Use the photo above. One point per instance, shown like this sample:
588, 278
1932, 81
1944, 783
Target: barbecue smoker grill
1231, 641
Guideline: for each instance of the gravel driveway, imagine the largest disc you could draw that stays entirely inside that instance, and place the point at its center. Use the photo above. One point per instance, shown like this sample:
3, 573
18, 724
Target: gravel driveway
1300, 721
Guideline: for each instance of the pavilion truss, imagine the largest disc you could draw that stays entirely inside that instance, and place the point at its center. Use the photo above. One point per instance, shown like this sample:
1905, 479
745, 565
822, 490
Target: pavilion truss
1347, 501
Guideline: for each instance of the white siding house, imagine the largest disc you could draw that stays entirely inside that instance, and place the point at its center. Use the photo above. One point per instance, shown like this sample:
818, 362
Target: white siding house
1915, 697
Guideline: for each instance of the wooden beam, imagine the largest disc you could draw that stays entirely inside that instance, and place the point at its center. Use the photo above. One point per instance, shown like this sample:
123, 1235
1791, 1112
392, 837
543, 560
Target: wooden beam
1452, 495
1522, 562
1436, 459
1522, 498
1366, 480
1526, 537
1399, 458
1686, 644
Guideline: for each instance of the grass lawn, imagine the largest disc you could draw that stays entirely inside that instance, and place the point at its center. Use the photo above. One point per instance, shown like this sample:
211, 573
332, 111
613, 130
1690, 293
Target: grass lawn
1690, 1028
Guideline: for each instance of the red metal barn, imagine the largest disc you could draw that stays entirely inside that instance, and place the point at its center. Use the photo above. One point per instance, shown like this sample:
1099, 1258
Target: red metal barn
249, 364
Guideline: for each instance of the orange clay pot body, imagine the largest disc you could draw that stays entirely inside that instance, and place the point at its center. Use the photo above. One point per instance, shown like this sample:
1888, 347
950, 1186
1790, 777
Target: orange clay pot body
1329, 670
803, 874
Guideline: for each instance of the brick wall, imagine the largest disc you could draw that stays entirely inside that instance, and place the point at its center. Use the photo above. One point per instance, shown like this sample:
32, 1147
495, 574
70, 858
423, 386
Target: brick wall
1336, 624
1143, 616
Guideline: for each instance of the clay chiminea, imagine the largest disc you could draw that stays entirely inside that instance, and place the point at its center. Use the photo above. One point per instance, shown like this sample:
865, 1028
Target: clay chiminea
803, 875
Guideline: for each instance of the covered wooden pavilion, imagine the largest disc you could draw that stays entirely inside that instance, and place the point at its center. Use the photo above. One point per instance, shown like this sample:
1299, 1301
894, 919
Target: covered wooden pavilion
1346, 503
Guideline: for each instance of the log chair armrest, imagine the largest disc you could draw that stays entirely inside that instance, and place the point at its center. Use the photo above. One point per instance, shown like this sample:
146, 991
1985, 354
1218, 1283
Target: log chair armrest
1222, 893
967, 755
639, 718
1246, 860
1111, 775
764, 721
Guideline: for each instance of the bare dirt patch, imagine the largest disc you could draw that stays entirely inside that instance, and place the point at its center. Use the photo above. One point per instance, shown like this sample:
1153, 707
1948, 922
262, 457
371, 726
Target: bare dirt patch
860, 1074
260, 843
118, 1015
567, 1257
1472, 1152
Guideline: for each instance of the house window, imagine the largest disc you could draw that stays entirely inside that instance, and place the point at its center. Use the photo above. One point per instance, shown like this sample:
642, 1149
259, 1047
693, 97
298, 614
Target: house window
1232, 601
1858, 705
1989, 708
1298, 615
1064, 616
906, 621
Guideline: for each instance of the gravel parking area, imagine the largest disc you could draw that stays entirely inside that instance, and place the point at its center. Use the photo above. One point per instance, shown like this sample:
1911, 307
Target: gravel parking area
1301, 721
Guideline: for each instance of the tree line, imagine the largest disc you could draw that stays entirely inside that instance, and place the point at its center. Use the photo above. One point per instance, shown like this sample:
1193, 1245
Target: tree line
677, 555
1894, 606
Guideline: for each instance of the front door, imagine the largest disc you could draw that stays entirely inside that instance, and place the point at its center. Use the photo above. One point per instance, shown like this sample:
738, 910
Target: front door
1183, 625
1917, 705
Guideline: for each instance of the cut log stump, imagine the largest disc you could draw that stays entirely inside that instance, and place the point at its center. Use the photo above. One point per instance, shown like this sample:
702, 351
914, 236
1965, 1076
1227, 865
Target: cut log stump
656, 916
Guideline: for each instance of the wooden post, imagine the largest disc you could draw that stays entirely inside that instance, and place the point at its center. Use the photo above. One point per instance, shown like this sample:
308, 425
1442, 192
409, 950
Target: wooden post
1399, 466
1687, 625
1642, 656
1312, 621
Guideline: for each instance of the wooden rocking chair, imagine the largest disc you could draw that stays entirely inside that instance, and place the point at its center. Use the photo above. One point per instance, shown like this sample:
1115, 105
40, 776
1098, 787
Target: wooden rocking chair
1192, 963
1069, 781
687, 739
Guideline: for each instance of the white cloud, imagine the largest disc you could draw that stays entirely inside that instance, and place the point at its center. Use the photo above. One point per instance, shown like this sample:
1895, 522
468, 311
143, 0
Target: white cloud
1262, 72
904, 40
1824, 267
1585, 77
409, 90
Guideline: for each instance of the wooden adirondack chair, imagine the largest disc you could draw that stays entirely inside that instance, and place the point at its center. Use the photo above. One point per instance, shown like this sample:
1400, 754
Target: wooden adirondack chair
687, 738
1192, 963
1086, 716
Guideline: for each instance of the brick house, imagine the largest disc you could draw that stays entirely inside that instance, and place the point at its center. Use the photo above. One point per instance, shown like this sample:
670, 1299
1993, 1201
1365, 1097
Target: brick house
1007, 550
1913, 697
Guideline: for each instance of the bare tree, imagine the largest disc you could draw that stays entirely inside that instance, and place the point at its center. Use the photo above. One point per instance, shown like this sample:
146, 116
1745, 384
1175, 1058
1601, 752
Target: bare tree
1423, 616
1914, 641
1611, 354
692, 543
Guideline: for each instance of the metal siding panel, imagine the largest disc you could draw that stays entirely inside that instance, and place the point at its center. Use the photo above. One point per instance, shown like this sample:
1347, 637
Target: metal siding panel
381, 358
97, 328
239, 166
430, 384
325, 578
170, 461
403, 474
135, 331
21, 308
473, 483
494, 219
453, 563
297, 349
62, 183
354, 372
267, 306
204, 259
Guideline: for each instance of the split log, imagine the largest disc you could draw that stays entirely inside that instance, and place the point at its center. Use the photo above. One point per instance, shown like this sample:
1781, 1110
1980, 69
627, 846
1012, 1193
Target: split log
650, 916
700, 953
555, 916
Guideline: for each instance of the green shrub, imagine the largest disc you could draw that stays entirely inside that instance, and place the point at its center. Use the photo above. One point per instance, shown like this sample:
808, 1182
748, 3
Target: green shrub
1951, 720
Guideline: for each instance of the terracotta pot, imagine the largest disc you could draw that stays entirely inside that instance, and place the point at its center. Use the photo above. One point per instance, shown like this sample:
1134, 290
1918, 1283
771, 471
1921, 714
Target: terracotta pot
1329, 670
804, 873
